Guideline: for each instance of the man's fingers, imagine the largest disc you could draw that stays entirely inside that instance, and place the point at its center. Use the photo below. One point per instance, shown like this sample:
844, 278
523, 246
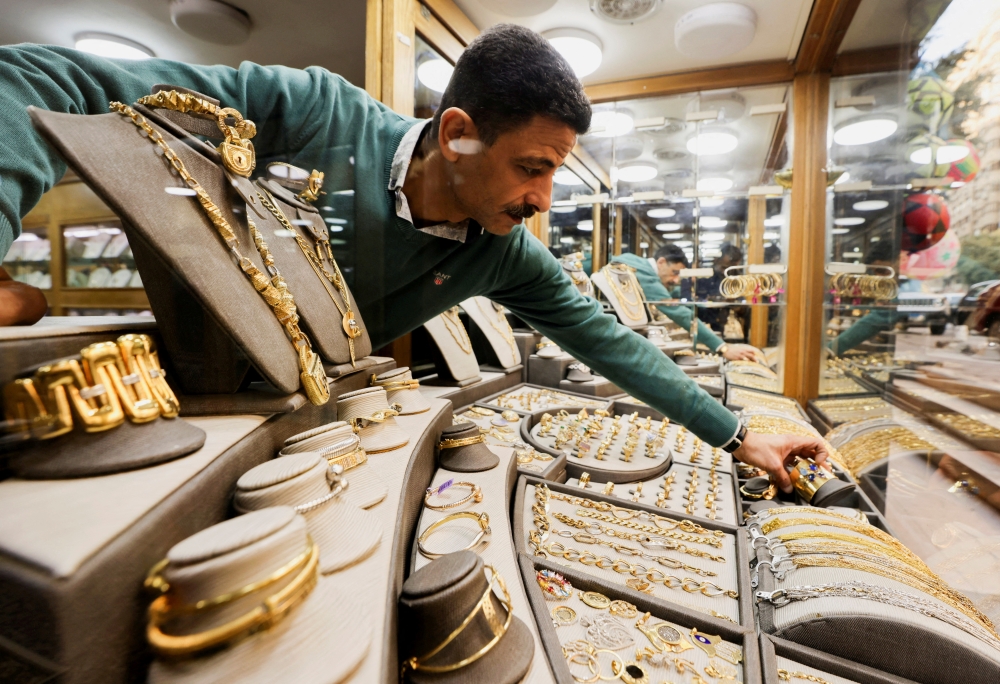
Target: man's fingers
782, 480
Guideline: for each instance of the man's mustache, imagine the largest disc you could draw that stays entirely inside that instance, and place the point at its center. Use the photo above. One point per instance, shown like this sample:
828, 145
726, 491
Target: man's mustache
521, 211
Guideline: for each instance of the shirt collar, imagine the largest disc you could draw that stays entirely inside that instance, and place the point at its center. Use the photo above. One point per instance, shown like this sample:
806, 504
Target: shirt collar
397, 176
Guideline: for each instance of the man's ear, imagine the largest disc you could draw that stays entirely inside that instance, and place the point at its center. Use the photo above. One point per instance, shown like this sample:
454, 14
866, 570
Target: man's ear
457, 134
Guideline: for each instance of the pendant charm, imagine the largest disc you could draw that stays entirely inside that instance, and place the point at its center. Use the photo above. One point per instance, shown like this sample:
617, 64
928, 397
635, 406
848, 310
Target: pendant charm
313, 376
706, 642
240, 159
351, 327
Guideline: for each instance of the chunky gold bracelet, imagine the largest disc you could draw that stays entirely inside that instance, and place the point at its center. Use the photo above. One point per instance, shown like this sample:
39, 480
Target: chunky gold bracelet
465, 441
360, 422
270, 611
484, 529
394, 385
475, 495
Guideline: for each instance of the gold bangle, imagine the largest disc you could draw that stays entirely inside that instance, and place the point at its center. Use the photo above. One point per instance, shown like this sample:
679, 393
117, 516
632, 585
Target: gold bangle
360, 422
484, 529
475, 494
394, 385
465, 441
271, 610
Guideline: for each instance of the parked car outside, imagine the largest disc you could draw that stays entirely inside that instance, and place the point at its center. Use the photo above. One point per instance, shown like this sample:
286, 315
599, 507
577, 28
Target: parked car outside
970, 302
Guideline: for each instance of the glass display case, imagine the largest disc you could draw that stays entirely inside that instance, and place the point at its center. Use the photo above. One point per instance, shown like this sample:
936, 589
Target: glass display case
98, 256
30, 258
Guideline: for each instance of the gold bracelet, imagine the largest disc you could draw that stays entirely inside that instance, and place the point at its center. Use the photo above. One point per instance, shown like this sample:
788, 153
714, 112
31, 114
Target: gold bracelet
270, 611
786, 675
465, 441
486, 605
360, 422
484, 529
352, 459
395, 385
475, 494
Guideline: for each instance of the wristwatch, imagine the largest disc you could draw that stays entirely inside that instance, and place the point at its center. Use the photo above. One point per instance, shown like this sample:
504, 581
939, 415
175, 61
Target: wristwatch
737, 441
721, 349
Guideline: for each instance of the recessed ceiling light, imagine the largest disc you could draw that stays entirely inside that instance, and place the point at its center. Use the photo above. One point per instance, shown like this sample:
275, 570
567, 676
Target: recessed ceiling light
435, 74
714, 142
681, 243
667, 227
585, 226
848, 221
946, 154
865, 132
566, 177
112, 47
870, 205
840, 231
713, 237
716, 30
609, 124
582, 50
774, 221
663, 212
636, 173
709, 202
772, 236
712, 222
714, 184
562, 210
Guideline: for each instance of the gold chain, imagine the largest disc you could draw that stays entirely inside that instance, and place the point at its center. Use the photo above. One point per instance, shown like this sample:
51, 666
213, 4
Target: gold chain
867, 448
785, 675
860, 528
500, 324
626, 514
454, 326
274, 291
633, 307
650, 529
349, 322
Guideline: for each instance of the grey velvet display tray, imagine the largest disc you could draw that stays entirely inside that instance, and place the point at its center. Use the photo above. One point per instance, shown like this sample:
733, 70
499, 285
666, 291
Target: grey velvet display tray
742, 559
772, 647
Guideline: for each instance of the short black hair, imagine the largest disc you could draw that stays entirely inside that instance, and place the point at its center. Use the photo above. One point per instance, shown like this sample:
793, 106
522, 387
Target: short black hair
673, 254
508, 76
731, 251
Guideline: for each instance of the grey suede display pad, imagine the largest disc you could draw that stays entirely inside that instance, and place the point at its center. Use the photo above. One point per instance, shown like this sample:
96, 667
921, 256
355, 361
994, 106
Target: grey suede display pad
126, 447
777, 653
214, 324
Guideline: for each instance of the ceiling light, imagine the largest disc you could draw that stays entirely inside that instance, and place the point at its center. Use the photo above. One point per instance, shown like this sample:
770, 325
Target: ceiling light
643, 245
211, 20
716, 30
848, 221
562, 210
840, 231
566, 177
682, 243
637, 173
772, 236
865, 132
566, 240
714, 184
712, 143
713, 237
875, 239
112, 47
946, 154
709, 202
435, 74
664, 212
582, 50
774, 221
609, 124
586, 226
668, 227
712, 222
870, 205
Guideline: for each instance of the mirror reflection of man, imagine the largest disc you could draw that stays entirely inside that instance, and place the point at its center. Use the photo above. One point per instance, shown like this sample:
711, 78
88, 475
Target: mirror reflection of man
876, 321
663, 282
708, 288
438, 204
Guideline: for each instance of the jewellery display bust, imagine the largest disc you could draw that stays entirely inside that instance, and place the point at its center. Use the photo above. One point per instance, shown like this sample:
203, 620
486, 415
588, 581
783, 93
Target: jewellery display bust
491, 321
452, 340
619, 286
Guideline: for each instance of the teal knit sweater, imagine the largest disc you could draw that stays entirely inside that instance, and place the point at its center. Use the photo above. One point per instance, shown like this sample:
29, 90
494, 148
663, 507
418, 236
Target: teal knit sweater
403, 277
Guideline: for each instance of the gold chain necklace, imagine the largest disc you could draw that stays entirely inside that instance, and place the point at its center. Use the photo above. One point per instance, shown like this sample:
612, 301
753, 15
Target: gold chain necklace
274, 291
786, 675
633, 307
454, 326
499, 323
349, 322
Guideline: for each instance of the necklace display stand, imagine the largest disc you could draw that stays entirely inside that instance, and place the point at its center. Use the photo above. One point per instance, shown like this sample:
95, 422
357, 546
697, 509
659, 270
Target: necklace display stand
624, 295
492, 325
572, 266
459, 366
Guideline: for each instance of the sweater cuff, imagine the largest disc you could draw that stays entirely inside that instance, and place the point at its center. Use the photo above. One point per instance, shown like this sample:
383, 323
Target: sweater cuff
716, 425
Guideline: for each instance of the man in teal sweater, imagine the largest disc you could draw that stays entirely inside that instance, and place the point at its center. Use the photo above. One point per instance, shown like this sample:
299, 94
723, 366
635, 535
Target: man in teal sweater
669, 261
438, 205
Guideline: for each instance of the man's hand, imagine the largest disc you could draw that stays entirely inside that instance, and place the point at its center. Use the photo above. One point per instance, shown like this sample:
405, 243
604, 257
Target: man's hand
20, 304
742, 352
774, 452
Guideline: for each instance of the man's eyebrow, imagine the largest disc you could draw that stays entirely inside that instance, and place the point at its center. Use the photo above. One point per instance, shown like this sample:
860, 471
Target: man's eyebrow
541, 161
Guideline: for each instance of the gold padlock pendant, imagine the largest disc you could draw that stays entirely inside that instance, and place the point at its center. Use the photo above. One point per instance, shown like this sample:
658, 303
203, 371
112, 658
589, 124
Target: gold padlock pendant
239, 159
313, 377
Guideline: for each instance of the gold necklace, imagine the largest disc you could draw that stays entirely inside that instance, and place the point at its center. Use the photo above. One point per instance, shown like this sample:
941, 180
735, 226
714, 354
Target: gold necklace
785, 675
499, 323
454, 326
861, 528
273, 290
349, 322
632, 307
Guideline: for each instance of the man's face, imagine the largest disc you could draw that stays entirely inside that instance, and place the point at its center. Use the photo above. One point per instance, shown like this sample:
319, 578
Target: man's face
501, 185
669, 272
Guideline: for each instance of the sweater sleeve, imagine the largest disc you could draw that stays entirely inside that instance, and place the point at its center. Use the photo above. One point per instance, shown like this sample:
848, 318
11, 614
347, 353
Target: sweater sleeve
864, 329
309, 109
532, 285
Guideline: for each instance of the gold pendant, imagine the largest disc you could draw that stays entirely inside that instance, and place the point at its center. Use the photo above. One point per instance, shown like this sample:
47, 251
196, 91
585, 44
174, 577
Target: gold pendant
313, 376
351, 327
238, 157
